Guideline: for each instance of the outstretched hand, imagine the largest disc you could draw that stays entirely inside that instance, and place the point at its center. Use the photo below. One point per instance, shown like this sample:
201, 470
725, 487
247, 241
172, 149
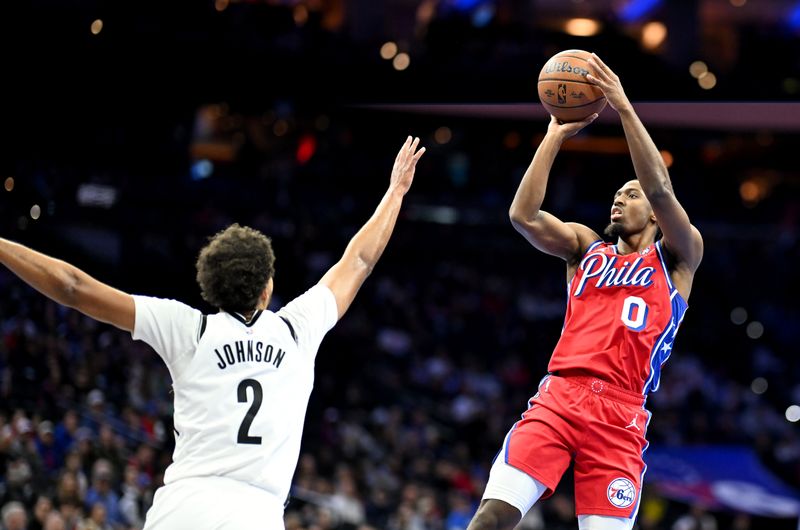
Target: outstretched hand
404, 165
568, 129
606, 80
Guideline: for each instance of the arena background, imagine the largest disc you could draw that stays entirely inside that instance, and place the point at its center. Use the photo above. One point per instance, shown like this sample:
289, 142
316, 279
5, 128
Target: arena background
131, 131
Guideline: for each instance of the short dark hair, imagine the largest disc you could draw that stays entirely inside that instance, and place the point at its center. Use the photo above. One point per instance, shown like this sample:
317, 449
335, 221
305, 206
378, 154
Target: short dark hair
234, 267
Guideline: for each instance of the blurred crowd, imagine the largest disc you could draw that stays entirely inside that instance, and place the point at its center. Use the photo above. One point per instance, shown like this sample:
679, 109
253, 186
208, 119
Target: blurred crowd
415, 391
417, 386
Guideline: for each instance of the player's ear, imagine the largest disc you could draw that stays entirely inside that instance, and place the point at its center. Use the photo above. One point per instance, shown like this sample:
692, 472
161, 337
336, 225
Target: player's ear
266, 294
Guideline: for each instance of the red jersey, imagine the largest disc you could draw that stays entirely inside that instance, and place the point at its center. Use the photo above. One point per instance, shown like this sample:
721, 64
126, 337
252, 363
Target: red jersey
622, 316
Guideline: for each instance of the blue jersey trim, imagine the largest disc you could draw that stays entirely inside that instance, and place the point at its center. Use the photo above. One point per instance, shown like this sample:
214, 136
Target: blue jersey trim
507, 440
663, 347
664, 265
593, 246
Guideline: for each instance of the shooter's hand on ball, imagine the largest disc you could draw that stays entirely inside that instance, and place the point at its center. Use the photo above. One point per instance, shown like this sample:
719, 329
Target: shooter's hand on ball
609, 83
567, 130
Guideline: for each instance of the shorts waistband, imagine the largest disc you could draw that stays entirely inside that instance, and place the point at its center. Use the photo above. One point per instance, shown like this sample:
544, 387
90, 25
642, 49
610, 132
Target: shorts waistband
604, 388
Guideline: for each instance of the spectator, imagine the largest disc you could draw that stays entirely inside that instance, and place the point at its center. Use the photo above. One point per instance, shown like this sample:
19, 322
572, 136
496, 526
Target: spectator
101, 499
65, 432
42, 508
14, 516
49, 453
97, 520
54, 521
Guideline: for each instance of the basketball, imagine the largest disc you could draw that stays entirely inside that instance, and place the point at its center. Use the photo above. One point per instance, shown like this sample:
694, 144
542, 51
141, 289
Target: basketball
564, 90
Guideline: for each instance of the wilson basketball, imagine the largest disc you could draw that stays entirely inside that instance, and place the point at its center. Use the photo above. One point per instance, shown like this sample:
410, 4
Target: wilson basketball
564, 90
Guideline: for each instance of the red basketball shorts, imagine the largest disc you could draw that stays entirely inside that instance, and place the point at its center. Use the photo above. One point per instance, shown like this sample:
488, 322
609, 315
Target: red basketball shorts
600, 425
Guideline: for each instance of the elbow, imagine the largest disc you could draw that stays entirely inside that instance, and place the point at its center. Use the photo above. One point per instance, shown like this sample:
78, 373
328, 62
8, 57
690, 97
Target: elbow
660, 193
70, 289
519, 218
662, 186
365, 265
515, 215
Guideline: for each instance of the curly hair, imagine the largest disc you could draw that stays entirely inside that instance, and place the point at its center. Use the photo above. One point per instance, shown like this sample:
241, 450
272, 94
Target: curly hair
234, 267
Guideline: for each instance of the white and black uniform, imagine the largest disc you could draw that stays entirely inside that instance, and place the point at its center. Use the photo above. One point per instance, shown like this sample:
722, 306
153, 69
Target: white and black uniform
241, 392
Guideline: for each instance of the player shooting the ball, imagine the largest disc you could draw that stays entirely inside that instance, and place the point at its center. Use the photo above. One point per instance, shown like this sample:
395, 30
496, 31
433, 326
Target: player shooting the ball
626, 301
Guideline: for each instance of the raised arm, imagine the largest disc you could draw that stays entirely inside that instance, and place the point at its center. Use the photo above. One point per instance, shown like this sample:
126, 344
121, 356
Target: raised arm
69, 285
681, 239
543, 230
362, 253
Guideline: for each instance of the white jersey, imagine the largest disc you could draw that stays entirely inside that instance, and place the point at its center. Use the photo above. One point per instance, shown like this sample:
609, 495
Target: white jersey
241, 388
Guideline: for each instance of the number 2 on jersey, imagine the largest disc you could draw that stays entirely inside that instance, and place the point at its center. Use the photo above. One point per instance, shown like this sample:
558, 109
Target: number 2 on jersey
258, 396
634, 313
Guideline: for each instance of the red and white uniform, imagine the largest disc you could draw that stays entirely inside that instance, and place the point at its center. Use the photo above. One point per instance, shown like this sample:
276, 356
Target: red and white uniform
622, 315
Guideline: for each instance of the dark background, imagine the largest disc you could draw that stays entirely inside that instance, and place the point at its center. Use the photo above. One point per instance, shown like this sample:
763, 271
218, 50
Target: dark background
193, 115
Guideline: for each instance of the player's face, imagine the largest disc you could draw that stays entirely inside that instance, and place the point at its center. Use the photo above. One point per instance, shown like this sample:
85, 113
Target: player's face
630, 210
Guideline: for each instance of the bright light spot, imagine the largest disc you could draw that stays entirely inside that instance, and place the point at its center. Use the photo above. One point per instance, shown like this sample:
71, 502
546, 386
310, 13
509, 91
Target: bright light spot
401, 61
444, 215
759, 385
755, 329
751, 192
202, 169
280, 128
96, 195
221, 5
791, 85
9, 184
668, 158
653, 35
36, 211
483, 15
306, 148
793, 413
637, 9
738, 3
739, 315
426, 11
388, 50
697, 69
97, 27
707, 81
300, 15
582, 27
442, 135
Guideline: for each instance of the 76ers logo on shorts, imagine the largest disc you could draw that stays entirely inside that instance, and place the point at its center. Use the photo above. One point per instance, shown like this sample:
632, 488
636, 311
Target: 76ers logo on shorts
621, 492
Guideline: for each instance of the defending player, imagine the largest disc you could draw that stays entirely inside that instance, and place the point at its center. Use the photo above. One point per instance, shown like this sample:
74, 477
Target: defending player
625, 304
241, 377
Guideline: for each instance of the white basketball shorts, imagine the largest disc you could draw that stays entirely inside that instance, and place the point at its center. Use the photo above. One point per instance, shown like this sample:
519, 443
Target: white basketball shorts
213, 503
